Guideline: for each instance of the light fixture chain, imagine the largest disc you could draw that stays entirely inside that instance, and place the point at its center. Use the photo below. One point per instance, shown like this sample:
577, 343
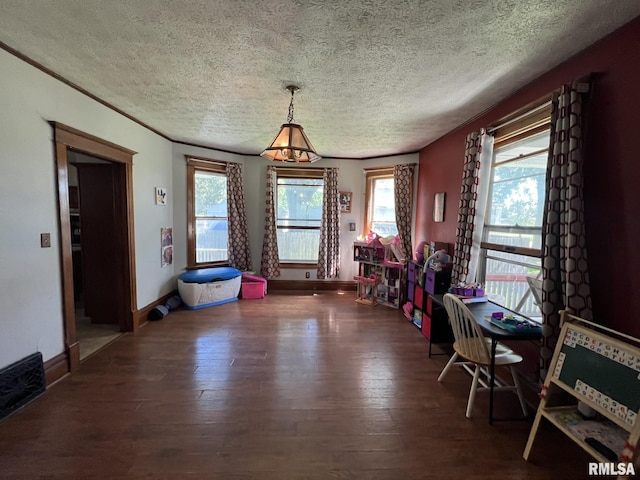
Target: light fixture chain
290, 117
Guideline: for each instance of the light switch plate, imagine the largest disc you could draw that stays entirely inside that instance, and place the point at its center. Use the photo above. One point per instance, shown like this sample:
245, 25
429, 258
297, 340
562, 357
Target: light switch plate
45, 240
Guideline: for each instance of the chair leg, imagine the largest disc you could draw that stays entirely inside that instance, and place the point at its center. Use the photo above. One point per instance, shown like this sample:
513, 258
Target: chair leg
516, 383
448, 366
472, 392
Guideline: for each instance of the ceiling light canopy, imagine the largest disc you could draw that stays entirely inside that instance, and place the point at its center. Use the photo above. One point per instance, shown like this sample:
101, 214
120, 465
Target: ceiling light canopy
291, 144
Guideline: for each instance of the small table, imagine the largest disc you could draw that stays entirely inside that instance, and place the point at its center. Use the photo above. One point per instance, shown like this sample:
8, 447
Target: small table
480, 311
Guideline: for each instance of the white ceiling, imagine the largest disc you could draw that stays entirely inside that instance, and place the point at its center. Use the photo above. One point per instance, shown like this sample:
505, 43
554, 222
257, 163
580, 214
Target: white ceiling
377, 77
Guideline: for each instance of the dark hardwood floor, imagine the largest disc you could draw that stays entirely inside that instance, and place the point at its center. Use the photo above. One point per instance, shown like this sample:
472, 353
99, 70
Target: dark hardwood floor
286, 387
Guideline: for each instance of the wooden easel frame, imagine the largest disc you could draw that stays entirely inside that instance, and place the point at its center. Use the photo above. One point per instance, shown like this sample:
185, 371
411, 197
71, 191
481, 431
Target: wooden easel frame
571, 323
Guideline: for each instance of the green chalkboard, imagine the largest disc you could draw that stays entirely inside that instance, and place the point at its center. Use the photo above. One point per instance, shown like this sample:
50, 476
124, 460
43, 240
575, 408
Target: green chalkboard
602, 370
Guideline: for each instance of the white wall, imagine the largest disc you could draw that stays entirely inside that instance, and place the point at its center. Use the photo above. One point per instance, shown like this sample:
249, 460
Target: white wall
351, 178
30, 291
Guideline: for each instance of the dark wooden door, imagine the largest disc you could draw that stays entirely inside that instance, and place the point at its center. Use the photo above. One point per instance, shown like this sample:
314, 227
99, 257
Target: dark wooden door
101, 227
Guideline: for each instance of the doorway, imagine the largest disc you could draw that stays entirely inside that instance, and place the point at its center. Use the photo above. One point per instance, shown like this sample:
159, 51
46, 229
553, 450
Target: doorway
98, 271
96, 263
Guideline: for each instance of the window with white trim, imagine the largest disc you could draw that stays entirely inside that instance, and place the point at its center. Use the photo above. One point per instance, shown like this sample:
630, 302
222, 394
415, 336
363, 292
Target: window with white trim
299, 198
512, 233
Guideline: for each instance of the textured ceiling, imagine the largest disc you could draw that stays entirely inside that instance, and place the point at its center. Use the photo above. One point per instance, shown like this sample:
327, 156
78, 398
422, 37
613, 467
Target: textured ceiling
377, 77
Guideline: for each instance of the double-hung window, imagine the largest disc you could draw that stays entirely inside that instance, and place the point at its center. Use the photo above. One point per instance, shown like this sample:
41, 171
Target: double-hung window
512, 233
207, 228
380, 204
299, 214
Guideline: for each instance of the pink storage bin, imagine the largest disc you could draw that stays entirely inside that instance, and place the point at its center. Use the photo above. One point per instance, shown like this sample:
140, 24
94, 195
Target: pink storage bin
252, 290
253, 286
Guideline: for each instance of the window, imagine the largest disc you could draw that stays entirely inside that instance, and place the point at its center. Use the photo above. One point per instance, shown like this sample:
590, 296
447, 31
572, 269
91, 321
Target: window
380, 204
299, 214
512, 233
207, 213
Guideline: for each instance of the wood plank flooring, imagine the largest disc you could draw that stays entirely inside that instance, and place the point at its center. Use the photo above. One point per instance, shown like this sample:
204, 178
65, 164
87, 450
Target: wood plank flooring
287, 387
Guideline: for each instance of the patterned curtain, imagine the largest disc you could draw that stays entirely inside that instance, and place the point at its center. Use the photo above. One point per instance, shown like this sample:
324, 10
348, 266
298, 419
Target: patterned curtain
473, 202
238, 244
403, 193
329, 251
565, 283
270, 264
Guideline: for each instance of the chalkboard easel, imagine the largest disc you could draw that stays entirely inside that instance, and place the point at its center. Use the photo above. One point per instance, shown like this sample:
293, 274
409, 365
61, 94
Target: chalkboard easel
602, 372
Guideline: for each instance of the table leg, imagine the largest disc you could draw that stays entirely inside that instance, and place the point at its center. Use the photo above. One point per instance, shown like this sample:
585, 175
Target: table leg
492, 374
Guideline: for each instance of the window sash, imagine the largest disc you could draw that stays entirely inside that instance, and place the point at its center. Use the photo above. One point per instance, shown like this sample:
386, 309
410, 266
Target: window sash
509, 264
371, 222
299, 236
200, 165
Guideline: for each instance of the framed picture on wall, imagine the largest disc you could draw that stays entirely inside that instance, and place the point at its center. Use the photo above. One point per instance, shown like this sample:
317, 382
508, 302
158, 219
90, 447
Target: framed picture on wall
166, 248
438, 207
345, 202
161, 196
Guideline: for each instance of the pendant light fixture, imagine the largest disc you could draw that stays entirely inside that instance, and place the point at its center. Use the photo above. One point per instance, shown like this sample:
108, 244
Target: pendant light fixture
291, 144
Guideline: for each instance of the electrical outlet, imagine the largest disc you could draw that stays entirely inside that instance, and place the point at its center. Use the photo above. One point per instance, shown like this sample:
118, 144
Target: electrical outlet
45, 240
307, 275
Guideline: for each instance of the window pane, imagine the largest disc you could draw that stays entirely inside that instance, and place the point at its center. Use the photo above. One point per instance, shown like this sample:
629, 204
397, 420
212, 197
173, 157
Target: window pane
384, 207
299, 203
211, 217
211, 194
506, 281
211, 240
298, 245
517, 194
514, 237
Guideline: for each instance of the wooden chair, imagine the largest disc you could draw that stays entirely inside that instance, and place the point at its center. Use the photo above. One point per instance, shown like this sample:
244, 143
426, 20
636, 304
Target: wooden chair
474, 349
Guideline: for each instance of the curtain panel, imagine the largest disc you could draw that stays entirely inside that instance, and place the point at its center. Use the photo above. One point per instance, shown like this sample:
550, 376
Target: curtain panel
474, 194
403, 193
565, 283
238, 245
329, 250
270, 263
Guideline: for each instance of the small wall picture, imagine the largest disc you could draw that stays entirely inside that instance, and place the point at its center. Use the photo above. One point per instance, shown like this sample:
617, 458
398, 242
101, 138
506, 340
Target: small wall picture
166, 249
438, 207
345, 202
161, 196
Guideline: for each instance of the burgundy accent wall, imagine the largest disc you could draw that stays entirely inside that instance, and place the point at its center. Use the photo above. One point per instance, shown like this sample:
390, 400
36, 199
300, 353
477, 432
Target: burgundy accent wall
611, 171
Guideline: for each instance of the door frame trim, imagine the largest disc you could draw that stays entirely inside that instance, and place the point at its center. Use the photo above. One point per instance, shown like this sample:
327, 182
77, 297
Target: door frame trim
68, 138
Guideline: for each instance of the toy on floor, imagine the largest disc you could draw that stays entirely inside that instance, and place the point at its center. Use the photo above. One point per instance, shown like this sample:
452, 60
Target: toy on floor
162, 311
408, 310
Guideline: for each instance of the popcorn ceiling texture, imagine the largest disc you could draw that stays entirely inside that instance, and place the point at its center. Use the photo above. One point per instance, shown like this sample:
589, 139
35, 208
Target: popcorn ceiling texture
377, 77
